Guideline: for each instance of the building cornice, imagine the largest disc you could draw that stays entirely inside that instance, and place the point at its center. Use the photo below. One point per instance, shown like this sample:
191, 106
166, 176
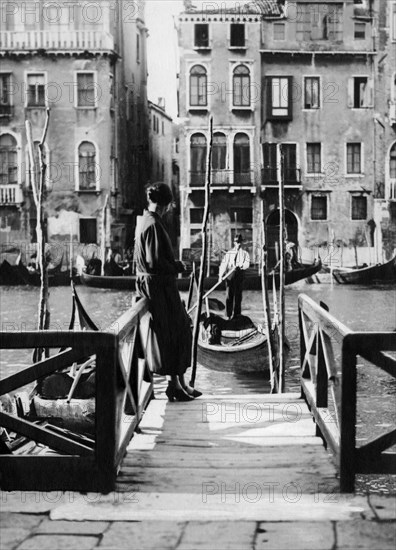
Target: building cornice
319, 52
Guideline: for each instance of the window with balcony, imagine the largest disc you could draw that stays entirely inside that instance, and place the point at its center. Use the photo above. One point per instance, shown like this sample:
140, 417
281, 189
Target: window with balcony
360, 92
219, 151
279, 31
311, 92
291, 173
8, 160
86, 90
36, 90
87, 167
237, 35
242, 174
318, 207
241, 87
279, 97
314, 158
354, 158
198, 87
198, 149
201, 35
270, 160
320, 21
392, 162
5, 94
358, 207
359, 30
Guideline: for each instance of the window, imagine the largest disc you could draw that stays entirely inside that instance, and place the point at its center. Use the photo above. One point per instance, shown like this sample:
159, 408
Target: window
354, 158
392, 162
88, 230
196, 215
5, 94
138, 48
198, 159
290, 171
201, 35
314, 158
359, 207
198, 86
36, 90
241, 215
359, 92
360, 31
279, 99
8, 160
270, 159
87, 166
195, 238
320, 21
219, 151
279, 31
241, 87
311, 92
318, 207
241, 159
393, 23
86, 94
237, 35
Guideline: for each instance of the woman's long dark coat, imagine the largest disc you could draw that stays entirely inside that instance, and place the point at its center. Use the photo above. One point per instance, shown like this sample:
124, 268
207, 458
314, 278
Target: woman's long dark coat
156, 269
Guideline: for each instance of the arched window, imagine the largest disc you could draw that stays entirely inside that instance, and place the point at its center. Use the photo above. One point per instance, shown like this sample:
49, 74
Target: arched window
8, 160
241, 159
219, 151
241, 87
87, 166
198, 86
198, 159
392, 162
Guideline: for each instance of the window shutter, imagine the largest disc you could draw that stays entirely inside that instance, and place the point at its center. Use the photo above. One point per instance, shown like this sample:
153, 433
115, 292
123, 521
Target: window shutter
350, 102
268, 95
369, 93
290, 97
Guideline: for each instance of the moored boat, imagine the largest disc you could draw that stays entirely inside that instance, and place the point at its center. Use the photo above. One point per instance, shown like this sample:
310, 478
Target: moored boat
380, 273
236, 344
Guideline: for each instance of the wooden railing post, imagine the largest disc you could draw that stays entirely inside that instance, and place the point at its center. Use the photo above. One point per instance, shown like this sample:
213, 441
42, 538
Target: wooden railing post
348, 417
321, 377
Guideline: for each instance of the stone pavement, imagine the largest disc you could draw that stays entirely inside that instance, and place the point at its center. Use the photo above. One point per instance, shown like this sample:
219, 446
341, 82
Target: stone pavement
26, 524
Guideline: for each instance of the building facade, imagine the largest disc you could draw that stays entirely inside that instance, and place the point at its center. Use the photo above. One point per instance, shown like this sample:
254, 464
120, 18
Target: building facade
292, 87
87, 65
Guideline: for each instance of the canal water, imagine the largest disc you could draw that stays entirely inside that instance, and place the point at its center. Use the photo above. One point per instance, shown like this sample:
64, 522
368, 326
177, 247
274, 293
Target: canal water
360, 308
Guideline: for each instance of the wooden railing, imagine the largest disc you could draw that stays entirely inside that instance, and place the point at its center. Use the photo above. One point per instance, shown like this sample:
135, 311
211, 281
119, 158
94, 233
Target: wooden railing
123, 389
329, 387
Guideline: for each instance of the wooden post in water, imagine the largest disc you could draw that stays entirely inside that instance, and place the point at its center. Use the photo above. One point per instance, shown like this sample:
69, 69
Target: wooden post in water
267, 313
38, 195
203, 256
103, 240
281, 387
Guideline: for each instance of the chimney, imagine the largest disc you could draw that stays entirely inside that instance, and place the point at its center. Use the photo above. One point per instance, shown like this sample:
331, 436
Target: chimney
161, 103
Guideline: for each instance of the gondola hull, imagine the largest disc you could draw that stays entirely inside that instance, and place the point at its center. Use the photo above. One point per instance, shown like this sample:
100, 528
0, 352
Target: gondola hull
381, 273
252, 281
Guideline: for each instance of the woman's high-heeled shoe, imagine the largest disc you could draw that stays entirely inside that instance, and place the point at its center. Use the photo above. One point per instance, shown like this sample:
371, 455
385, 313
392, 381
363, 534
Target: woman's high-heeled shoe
193, 392
176, 394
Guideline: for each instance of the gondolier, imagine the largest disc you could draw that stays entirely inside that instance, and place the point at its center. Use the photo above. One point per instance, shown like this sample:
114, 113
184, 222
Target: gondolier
239, 258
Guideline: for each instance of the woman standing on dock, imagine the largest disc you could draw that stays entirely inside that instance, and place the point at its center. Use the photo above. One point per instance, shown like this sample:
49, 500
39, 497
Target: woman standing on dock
156, 270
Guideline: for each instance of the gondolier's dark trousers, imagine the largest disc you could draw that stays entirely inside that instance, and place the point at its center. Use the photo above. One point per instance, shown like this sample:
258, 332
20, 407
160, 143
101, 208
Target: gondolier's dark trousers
234, 286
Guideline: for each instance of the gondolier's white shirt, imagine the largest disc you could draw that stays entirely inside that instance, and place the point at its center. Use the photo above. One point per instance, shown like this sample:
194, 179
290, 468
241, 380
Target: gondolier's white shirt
234, 258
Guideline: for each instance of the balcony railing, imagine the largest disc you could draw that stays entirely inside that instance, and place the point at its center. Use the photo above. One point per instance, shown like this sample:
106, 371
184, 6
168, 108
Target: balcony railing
269, 176
222, 178
6, 110
56, 40
10, 194
391, 195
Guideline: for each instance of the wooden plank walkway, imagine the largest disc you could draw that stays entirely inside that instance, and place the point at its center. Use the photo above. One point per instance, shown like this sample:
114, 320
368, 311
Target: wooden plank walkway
249, 457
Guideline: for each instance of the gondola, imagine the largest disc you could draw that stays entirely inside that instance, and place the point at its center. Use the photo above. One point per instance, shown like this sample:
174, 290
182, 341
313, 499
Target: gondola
380, 273
252, 280
232, 344
19, 274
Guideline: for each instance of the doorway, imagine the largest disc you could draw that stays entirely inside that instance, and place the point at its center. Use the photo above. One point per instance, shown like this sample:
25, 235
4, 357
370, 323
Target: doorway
272, 224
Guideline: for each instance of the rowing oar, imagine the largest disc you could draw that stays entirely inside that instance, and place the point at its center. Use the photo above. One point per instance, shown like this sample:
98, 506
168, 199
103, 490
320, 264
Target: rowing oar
245, 337
194, 350
212, 289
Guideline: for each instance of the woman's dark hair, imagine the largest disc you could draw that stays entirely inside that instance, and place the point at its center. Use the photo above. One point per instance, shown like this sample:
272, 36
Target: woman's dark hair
159, 193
